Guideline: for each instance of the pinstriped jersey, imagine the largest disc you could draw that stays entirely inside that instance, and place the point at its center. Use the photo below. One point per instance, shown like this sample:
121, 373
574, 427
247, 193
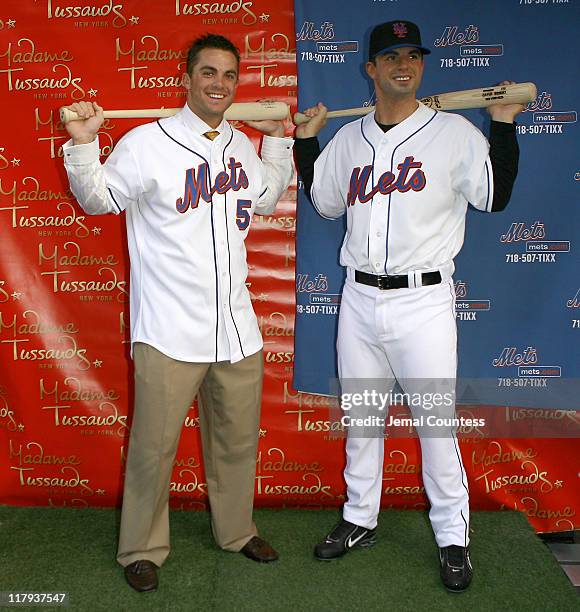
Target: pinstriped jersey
189, 203
405, 192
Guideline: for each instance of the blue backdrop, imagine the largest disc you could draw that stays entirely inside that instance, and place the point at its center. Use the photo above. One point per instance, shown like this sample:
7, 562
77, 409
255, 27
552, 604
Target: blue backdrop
518, 275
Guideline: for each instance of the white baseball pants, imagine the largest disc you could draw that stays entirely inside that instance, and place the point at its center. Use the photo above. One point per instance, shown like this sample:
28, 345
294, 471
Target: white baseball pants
409, 335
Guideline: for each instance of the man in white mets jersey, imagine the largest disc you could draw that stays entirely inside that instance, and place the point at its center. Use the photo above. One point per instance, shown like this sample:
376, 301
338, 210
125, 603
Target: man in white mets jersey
189, 185
404, 176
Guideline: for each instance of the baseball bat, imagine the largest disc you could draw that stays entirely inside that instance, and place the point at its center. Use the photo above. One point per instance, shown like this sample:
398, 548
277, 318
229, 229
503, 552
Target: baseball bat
239, 111
520, 93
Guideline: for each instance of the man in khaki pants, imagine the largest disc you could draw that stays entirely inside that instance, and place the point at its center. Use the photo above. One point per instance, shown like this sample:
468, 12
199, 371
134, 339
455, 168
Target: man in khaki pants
190, 185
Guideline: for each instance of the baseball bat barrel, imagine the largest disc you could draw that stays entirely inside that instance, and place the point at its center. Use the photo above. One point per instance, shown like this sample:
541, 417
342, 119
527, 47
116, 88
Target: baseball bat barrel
520, 93
239, 111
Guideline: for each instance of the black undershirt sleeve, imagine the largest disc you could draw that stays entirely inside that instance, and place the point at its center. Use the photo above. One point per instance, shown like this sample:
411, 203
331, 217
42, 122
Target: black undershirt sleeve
503, 152
306, 152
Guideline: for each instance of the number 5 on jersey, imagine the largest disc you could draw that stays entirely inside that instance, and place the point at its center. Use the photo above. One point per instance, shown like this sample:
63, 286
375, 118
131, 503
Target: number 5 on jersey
242, 215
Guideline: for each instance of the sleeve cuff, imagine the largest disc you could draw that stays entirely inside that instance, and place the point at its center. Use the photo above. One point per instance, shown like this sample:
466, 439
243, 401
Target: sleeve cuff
277, 147
308, 146
81, 154
499, 128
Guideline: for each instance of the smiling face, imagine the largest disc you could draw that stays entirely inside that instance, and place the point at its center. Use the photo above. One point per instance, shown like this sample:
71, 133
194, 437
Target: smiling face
396, 74
211, 85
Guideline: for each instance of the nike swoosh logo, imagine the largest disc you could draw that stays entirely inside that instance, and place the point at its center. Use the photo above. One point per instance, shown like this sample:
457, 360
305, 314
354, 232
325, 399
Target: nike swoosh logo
350, 543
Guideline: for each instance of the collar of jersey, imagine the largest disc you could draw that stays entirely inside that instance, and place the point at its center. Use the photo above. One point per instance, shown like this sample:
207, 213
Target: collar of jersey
402, 130
197, 125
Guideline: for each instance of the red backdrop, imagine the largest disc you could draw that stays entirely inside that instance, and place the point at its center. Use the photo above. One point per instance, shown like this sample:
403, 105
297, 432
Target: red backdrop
65, 379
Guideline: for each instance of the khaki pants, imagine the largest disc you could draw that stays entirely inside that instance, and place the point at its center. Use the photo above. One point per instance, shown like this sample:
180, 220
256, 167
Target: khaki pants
229, 420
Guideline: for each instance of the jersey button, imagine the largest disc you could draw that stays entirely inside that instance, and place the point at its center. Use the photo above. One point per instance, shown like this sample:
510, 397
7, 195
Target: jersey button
377, 265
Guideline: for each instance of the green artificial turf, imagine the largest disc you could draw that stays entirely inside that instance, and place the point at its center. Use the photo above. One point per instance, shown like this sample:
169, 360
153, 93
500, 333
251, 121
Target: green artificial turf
57, 549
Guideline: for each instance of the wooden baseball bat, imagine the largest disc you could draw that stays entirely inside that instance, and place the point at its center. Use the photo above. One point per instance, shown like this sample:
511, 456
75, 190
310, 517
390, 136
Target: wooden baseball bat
239, 111
520, 93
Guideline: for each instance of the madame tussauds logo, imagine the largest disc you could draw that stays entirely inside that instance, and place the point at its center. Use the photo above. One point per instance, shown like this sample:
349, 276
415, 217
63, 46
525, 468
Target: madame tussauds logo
26, 53
400, 467
74, 391
495, 454
267, 56
66, 348
36, 194
108, 417
148, 50
208, 9
48, 222
277, 325
107, 281
276, 461
69, 478
34, 454
535, 476
312, 484
531, 507
313, 402
403, 490
30, 191
62, 10
188, 483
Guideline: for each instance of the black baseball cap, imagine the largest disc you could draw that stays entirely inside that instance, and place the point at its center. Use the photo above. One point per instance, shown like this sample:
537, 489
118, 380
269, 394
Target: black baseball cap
394, 34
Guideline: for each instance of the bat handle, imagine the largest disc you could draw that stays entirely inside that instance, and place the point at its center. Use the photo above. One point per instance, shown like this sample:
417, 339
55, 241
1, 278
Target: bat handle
67, 115
300, 118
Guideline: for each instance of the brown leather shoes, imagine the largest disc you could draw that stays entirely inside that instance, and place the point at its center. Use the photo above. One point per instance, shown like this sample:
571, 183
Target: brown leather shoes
259, 550
142, 575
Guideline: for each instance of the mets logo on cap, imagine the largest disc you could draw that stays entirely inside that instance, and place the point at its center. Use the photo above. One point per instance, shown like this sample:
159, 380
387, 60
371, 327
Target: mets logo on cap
399, 29
392, 35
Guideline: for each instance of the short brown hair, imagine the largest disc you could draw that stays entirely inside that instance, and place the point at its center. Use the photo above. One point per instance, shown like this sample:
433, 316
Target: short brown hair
210, 41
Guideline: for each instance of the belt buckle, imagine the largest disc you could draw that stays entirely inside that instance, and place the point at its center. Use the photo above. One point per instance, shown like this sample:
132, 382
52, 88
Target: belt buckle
384, 282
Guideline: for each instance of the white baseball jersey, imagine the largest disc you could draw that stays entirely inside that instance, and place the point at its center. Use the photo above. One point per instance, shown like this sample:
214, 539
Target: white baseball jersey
405, 192
189, 203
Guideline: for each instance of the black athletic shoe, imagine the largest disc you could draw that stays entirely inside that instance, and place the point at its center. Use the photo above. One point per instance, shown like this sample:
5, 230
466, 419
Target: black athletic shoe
456, 570
342, 538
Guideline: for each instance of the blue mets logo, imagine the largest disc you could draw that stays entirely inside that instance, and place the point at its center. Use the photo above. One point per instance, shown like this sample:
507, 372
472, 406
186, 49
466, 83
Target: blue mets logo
387, 183
575, 301
510, 357
453, 36
197, 185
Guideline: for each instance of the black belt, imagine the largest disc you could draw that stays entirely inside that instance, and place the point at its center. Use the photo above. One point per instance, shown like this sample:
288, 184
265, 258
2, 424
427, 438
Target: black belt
400, 281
